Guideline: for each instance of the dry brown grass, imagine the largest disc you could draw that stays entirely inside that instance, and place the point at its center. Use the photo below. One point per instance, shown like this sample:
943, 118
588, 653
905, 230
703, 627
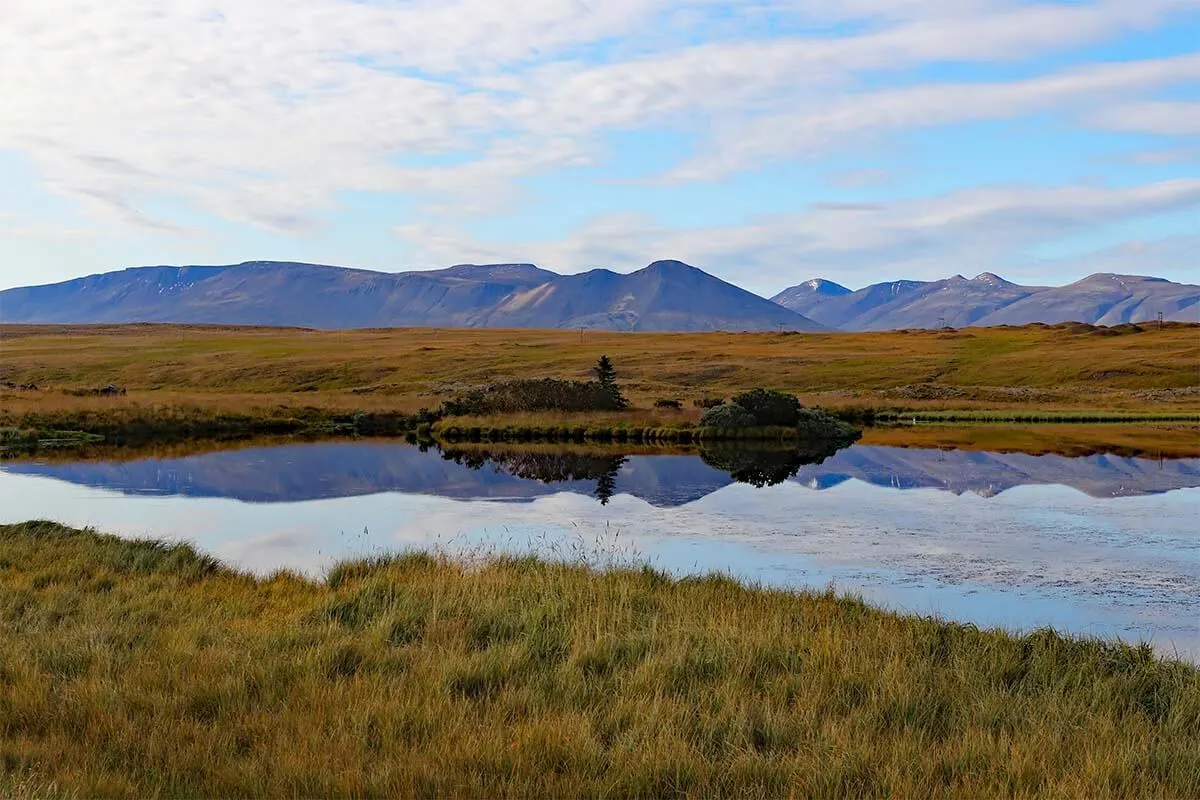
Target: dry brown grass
143, 670
1159, 440
404, 369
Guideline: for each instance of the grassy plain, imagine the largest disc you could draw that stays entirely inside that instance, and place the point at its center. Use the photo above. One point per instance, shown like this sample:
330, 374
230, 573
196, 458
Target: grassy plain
189, 382
140, 669
234, 368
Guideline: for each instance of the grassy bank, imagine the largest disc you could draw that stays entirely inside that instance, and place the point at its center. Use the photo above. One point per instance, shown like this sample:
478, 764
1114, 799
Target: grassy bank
1151, 440
1074, 417
1157, 440
130, 668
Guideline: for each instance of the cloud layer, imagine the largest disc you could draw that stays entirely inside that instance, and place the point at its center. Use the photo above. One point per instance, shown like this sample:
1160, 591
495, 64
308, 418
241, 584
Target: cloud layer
162, 116
967, 231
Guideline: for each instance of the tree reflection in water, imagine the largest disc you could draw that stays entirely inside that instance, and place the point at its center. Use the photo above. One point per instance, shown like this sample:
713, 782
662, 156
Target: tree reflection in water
766, 466
547, 466
756, 465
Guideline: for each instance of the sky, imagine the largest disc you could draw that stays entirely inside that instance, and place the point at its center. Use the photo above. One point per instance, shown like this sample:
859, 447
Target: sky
765, 141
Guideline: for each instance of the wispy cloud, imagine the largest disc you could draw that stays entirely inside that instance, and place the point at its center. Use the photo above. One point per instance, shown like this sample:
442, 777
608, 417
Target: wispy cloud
1162, 118
992, 228
154, 114
745, 143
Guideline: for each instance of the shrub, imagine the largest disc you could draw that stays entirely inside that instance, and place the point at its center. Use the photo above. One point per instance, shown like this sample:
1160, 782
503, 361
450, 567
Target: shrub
708, 402
770, 407
546, 394
728, 415
666, 403
814, 423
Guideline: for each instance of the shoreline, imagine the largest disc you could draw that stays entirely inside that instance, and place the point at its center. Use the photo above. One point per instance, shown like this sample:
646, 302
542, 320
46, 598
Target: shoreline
1152, 438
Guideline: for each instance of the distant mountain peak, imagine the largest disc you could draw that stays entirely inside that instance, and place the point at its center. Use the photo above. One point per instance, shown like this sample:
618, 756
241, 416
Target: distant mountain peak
825, 286
669, 265
991, 279
1118, 279
814, 288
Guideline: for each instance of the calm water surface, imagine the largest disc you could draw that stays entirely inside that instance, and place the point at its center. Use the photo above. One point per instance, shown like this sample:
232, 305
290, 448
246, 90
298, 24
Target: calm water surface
1103, 545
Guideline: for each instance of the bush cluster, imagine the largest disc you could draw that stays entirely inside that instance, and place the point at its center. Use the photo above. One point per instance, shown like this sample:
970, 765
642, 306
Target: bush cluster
728, 415
767, 408
544, 394
821, 424
770, 407
756, 408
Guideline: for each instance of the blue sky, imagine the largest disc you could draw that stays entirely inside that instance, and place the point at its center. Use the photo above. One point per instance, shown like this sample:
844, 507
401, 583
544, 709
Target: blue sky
766, 141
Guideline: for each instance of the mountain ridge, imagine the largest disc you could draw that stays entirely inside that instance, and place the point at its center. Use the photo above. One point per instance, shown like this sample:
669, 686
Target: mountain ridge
988, 299
665, 295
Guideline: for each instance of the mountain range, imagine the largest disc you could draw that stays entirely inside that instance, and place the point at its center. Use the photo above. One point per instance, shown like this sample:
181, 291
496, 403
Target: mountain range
988, 299
664, 296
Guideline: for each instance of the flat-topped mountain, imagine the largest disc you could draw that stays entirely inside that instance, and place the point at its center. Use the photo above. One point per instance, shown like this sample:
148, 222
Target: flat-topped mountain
988, 299
1105, 299
665, 296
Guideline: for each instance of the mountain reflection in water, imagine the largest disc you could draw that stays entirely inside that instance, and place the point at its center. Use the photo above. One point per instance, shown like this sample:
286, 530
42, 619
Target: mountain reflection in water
928, 531
297, 472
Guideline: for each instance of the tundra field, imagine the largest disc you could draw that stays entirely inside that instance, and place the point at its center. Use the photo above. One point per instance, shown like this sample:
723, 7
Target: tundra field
1063, 369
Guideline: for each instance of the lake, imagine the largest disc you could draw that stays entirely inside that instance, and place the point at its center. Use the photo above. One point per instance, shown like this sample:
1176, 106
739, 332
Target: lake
1102, 544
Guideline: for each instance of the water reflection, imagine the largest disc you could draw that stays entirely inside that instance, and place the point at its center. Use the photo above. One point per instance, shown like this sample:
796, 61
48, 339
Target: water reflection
764, 466
758, 466
547, 466
1099, 544
296, 472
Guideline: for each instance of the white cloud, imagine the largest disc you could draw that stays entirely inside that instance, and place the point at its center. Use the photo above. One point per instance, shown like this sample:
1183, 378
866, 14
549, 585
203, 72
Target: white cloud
265, 112
745, 143
990, 228
1162, 118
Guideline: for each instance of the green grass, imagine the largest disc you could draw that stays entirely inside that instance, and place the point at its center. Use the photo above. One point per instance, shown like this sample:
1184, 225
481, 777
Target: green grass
142, 669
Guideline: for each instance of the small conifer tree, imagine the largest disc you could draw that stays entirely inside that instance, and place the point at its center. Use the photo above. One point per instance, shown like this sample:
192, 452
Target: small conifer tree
606, 374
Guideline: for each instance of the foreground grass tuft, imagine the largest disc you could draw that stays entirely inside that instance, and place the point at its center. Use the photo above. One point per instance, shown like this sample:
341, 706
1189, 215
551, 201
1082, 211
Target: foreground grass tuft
135, 668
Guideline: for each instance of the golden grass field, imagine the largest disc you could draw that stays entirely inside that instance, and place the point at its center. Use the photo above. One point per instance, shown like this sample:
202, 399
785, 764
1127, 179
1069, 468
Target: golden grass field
1149, 440
240, 369
145, 670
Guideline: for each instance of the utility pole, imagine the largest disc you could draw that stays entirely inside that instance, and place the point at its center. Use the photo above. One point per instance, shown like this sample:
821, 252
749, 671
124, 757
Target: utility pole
941, 322
1160, 320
